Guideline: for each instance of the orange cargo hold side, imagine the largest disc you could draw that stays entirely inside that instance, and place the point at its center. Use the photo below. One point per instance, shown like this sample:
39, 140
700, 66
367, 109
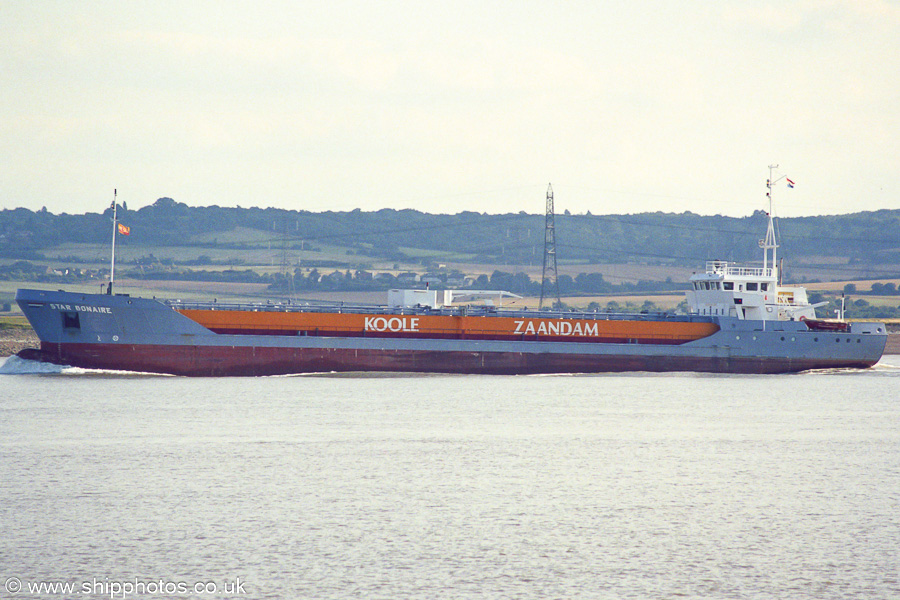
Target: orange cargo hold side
442, 326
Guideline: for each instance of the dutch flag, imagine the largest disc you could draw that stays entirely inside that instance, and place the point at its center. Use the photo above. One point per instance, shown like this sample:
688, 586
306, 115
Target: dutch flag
790, 183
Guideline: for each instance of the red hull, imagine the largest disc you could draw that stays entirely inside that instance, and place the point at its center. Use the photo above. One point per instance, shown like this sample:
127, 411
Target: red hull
255, 361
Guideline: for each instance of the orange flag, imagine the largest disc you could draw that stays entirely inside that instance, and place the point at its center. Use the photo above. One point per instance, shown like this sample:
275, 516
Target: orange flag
124, 230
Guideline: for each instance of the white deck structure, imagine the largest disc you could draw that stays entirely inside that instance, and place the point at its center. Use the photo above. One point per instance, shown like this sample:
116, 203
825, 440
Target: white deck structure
730, 290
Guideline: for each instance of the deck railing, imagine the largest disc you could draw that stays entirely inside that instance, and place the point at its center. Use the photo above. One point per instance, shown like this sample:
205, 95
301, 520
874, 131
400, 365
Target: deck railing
455, 311
722, 267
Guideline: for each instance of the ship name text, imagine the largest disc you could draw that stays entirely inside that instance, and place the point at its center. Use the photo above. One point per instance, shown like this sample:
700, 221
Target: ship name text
79, 308
576, 328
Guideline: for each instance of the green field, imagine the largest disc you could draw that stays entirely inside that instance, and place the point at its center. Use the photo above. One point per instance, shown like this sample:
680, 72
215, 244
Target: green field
260, 251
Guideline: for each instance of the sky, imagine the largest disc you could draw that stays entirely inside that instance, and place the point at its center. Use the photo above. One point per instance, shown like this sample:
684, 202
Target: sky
625, 107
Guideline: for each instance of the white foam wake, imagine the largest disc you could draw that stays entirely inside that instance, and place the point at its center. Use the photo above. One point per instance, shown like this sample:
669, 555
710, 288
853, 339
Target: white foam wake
15, 365
888, 362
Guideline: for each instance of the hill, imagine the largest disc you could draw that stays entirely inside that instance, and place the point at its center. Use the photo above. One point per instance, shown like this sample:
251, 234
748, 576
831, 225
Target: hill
285, 251
684, 239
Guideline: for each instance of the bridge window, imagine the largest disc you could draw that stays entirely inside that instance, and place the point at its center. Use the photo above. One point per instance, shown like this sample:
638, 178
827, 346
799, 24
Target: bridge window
764, 287
728, 285
751, 287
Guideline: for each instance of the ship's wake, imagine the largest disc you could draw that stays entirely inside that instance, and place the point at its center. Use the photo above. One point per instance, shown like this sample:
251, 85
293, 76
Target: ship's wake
889, 362
889, 365
16, 365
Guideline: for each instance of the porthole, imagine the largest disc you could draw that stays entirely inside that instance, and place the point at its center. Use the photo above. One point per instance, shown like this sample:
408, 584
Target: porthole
754, 338
837, 340
737, 337
782, 338
793, 339
816, 339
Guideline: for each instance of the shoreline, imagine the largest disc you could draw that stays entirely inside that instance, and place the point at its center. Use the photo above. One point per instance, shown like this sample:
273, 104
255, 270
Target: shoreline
14, 339
893, 344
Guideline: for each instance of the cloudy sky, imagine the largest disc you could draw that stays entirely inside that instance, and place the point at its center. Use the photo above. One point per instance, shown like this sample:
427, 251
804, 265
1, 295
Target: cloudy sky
450, 106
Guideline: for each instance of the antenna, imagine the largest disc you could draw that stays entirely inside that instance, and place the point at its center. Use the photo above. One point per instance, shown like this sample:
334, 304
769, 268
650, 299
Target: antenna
549, 275
112, 261
770, 243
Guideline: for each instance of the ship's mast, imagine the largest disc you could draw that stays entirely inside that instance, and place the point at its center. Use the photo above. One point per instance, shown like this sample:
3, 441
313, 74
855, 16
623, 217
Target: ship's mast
112, 261
769, 243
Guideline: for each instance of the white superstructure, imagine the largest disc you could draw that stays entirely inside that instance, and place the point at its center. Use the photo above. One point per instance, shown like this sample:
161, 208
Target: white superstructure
730, 290
726, 289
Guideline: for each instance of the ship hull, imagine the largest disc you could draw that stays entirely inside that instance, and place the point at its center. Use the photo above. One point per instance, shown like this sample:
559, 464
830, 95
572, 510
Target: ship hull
222, 361
134, 334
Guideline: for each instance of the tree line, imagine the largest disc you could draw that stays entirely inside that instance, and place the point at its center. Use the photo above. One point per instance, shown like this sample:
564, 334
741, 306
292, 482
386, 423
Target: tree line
684, 239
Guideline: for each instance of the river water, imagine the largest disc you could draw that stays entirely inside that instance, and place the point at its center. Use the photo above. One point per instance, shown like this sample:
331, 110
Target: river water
469, 487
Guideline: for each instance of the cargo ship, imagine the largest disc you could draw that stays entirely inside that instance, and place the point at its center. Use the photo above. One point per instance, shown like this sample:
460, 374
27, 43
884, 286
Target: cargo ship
740, 320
